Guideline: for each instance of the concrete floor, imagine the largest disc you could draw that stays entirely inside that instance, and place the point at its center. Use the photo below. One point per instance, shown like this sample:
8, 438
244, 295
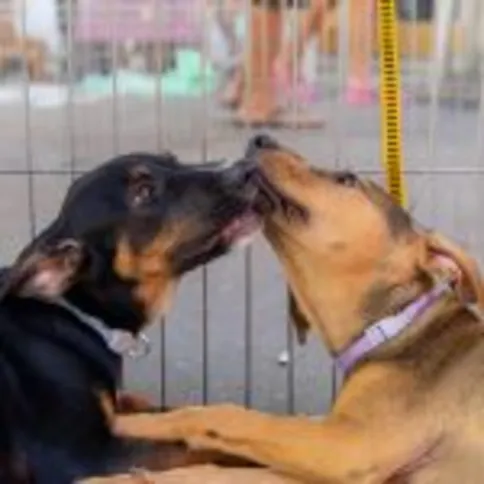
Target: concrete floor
445, 184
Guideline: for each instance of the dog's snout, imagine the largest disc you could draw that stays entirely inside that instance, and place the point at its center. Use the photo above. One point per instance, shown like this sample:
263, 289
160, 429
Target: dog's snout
240, 173
261, 142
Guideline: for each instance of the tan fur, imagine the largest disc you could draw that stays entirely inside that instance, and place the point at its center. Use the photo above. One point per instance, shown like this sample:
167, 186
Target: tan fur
108, 406
196, 475
149, 269
413, 411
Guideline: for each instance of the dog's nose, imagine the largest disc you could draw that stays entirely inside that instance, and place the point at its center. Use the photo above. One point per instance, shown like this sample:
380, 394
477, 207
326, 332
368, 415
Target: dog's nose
261, 142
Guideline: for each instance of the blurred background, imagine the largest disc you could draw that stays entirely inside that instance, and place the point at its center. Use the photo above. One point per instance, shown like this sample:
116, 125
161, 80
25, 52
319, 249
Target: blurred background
84, 80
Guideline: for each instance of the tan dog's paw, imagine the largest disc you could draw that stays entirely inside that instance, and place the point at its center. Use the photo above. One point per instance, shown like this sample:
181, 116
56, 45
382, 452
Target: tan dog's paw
169, 426
179, 425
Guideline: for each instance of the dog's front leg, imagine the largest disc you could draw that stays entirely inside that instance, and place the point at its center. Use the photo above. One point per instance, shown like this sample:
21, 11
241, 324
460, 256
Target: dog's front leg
337, 450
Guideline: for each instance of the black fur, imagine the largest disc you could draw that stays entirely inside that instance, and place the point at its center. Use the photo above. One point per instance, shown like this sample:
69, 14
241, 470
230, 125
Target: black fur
53, 368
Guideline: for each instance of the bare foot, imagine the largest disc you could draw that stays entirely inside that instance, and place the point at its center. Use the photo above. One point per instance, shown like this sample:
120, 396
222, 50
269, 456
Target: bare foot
253, 115
258, 107
259, 112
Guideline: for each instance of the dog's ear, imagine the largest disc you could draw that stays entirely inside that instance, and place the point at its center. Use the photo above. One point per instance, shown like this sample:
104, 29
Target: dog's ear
298, 319
44, 271
446, 260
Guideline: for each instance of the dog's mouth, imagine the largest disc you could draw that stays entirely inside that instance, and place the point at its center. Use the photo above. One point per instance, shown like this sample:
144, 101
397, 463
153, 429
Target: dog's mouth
233, 232
240, 229
272, 201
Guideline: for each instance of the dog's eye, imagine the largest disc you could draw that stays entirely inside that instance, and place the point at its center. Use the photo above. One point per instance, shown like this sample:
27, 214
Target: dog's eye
346, 178
141, 187
143, 194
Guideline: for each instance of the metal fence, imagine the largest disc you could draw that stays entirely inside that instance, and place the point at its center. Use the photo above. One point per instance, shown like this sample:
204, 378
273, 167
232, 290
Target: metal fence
83, 80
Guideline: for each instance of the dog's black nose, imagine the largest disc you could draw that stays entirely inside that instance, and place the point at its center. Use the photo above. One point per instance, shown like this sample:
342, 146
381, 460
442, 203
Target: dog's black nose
261, 142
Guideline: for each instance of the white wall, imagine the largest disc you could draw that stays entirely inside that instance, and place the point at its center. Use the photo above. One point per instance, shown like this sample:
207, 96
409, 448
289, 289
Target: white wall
41, 21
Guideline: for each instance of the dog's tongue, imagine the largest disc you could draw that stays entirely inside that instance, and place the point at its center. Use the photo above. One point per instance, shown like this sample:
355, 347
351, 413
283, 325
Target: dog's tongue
240, 227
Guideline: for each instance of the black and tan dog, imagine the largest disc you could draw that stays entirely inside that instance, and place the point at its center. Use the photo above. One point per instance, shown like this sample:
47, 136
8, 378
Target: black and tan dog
78, 296
411, 410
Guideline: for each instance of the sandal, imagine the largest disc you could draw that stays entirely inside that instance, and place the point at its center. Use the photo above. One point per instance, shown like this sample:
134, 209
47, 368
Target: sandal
360, 94
278, 119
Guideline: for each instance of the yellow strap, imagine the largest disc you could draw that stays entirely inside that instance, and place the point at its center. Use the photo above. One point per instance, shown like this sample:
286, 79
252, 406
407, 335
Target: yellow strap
391, 118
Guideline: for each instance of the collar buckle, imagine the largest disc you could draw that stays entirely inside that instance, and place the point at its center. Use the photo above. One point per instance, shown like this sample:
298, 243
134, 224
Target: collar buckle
124, 343
387, 328
376, 334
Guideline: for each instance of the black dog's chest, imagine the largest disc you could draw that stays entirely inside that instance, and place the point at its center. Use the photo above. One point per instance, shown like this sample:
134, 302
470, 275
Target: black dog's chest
52, 375
49, 464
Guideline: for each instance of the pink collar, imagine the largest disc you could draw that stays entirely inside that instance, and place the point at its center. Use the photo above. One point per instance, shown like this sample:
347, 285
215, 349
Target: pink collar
386, 329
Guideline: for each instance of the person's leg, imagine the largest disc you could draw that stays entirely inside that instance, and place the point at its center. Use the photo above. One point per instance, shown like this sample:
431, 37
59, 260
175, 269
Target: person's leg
288, 73
359, 90
232, 92
259, 101
310, 20
226, 15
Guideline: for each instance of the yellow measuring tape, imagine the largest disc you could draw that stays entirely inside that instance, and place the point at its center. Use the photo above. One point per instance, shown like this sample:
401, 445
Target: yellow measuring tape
390, 102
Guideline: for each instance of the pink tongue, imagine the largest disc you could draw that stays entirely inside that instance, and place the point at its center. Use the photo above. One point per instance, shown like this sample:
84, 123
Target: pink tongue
239, 227
232, 230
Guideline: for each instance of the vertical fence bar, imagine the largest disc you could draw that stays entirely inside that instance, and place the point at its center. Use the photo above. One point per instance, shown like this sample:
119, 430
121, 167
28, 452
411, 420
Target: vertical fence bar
205, 279
480, 120
477, 236
115, 46
28, 131
160, 146
412, 114
412, 64
248, 322
459, 60
248, 253
294, 79
205, 338
248, 327
414, 46
294, 20
445, 10
291, 368
343, 50
247, 88
160, 140
70, 126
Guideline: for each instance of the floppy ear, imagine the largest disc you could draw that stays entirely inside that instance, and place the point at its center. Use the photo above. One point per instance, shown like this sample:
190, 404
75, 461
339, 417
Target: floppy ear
445, 258
45, 272
298, 319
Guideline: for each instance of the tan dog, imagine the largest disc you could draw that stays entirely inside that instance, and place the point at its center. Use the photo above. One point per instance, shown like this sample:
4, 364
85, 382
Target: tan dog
411, 411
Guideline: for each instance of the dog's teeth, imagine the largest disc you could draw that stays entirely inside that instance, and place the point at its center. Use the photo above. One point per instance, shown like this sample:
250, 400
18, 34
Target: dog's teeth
283, 358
